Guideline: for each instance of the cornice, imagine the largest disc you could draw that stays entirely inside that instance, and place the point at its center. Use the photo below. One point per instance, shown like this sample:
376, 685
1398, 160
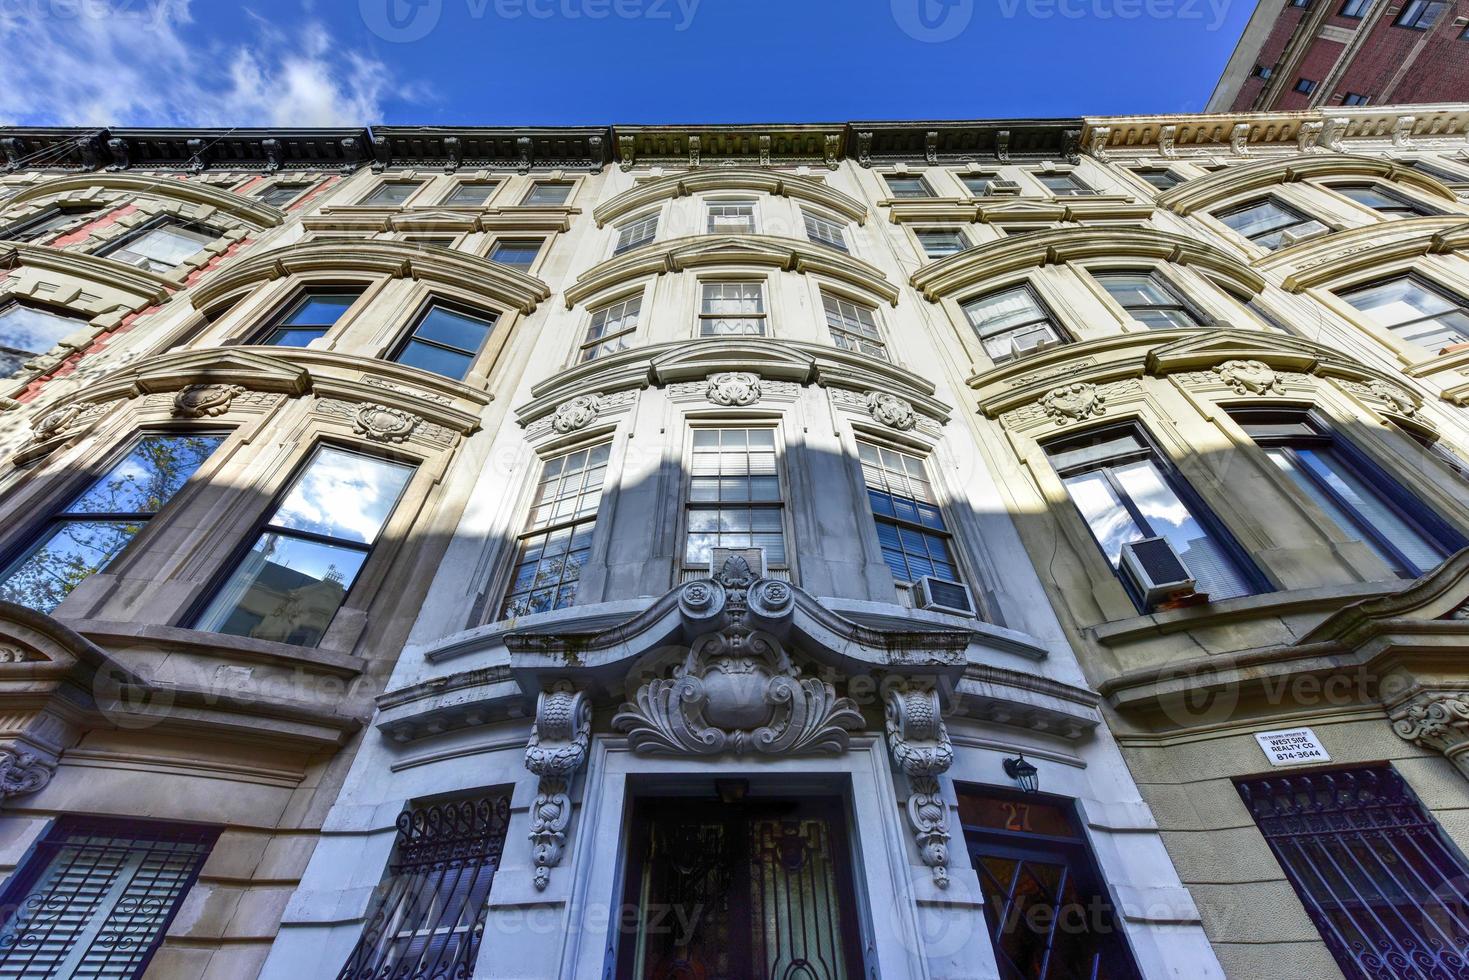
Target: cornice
497, 283
1339, 255
976, 265
247, 209
1202, 192
759, 251
1220, 133
722, 179
748, 145
82, 148
495, 147
961, 141
93, 268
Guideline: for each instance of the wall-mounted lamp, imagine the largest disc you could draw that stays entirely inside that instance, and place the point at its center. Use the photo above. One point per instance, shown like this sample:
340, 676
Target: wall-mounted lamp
1027, 775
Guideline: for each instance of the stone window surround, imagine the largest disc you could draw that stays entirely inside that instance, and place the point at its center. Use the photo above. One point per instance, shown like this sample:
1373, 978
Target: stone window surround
1446, 273
713, 276
1181, 282
646, 290
1407, 195
1055, 300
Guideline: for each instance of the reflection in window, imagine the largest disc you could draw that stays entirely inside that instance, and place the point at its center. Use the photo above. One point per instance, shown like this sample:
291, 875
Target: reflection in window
1148, 298
853, 326
471, 192
392, 192
1064, 184
548, 192
279, 195
1420, 15
44, 224
1160, 177
1011, 322
1270, 224
558, 533
309, 318
1383, 201
910, 526
612, 328
938, 242
517, 252
26, 331
824, 231
900, 185
446, 340
92, 530
734, 496
731, 217
298, 572
1124, 495
1414, 311
636, 233
162, 247
729, 308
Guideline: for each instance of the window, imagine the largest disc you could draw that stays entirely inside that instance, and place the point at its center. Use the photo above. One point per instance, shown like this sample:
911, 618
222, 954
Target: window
1271, 224
1356, 8
279, 195
938, 242
27, 331
1355, 98
1148, 298
517, 252
1011, 322
1383, 201
296, 575
853, 326
310, 317
392, 192
901, 185
734, 496
979, 184
824, 231
1372, 868
910, 526
425, 238
445, 340
471, 193
1440, 451
1359, 497
548, 192
161, 247
1305, 85
1420, 15
1415, 311
1160, 177
96, 896
427, 918
558, 533
44, 224
731, 217
89, 532
1263, 71
612, 327
1257, 307
1064, 184
637, 232
1300, 3
731, 308
1442, 173
1125, 492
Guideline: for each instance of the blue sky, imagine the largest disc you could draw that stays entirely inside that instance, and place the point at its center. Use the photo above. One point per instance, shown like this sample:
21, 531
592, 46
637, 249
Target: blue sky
554, 62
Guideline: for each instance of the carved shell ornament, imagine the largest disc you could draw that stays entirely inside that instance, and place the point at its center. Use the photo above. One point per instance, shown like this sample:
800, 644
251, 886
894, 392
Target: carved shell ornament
734, 389
576, 414
1079, 400
54, 423
891, 411
1250, 377
1398, 400
205, 400
384, 424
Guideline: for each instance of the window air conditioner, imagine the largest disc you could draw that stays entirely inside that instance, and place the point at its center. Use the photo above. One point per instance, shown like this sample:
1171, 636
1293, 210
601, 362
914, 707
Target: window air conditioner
1291, 237
1002, 188
1158, 572
941, 595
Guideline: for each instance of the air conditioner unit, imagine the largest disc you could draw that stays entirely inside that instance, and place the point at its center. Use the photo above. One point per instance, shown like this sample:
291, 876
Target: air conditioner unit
754, 557
1291, 237
1001, 188
1157, 571
1018, 351
941, 595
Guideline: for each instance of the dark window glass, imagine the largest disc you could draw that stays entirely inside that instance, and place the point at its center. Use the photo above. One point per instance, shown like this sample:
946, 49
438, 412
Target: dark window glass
734, 496
824, 231
1064, 185
548, 192
1149, 299
445, 341
1356, 8
471, 192
915, 540
1442, 173
46, 223
939, 242
853, 325
309, 317
1159, 178
1271, 224
900, 185
1305, 85
1355, 98
519, 252
26, 331
1263, 71
1414, 311
1420, 15
1011, 322
279, 195
392, 192
558, 533
636, 233
1383, 201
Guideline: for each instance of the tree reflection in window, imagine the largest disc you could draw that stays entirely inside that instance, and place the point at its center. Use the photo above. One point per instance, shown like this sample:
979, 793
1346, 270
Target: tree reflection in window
95, 527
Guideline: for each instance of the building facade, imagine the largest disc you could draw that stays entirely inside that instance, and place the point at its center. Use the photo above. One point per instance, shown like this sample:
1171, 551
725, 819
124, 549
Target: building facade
1025, 548
1320, 54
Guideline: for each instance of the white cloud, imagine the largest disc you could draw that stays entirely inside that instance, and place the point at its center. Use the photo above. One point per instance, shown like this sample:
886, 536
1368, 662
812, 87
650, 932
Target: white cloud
140, 63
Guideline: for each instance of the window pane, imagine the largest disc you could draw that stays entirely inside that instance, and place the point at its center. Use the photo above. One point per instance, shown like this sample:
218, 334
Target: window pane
453, 329
900, 186
321, 309
939, 242
293, 338
29, 330
394, 192
1003, 310
68, 553
148, 477
1103, 512
546, 192
519, 252
286, 590
343, 495
471, 193
160, 249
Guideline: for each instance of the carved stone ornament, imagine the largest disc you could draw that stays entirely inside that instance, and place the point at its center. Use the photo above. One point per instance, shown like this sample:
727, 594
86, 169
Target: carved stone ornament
1398, 400
737, 690
22, 772
891, 411
60, 421
1239, 139
734, 389
1100, 136
1166, 137
1402, 131
1078, 400
384, 424
1439, 721
556, 750
1250, 377
1308, 135
205, 401
920, 747
576, 414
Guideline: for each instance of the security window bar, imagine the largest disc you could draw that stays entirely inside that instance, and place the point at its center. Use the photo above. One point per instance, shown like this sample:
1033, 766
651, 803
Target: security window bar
1160, 178
1269, 223
612, 328
95, 898
471, 193
1355, 98
731, 308
518, 252
853, 326
939, 242
1380, 880
903, 186
1383, 201
309, 318
1411, 309
1011, 322
280, 195
1149, 299
731, 217
161, 247
636, 233
825, 231
86, 535
288, 586
1064, 184
429, 917
1125, 492
446, 340
548, 193
1420, 15
558, 533
915, 540
28, 331
47, 222
392, 193
734, 496
1356, 495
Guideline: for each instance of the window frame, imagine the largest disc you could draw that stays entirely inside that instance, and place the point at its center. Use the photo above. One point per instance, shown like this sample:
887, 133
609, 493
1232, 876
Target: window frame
946, 533
1300, 216
621, 247
1408, 207
535, 187
1077, 188
25, 302
25, 226
1305, 86
710, 203
491, 186
782, 505
158, 224
924, 190
1143, 173
511, 242
1363, 318
301, 188
880, 340
275, 322
700, 317
958, 232
589, 344
1419, 10
367, 199
809, 217
1059, 333
1181, 303
434, 301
